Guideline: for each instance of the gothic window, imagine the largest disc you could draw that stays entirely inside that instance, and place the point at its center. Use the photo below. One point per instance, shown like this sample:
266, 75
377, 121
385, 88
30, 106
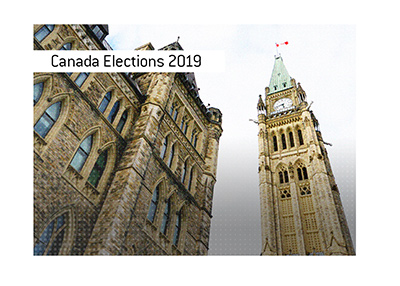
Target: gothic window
185, 127
177, 229
305, 175
166, 215
122, 121
113, 112
98, 169
81, 78
175, 114
66, 47
46, 122
153, 204
37, 92
52, 238
275, 142
174, 111
302, 173
182, 123
283, 141
190, 179
281, 177
184, 173
44, 32
171, 156
195, 141
301, 142
82, 153
299, 174
104, 103
291, 139
286, 177
164, 148
98, 32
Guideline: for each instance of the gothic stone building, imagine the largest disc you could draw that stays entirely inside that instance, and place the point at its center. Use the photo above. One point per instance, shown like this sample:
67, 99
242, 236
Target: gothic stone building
124, 163
301, 210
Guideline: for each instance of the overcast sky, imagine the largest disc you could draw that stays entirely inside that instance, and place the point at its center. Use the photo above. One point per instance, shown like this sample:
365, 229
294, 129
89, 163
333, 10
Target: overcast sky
320, 57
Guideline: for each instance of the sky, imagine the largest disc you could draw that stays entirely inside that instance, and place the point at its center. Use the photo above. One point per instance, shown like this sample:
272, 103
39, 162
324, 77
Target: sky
321, 57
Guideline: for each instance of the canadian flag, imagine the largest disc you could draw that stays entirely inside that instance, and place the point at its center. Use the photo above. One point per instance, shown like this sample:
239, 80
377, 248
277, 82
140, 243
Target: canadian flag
284, 43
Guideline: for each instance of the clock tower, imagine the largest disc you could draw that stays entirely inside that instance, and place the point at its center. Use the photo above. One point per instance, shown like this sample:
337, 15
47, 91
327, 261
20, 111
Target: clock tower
301, 210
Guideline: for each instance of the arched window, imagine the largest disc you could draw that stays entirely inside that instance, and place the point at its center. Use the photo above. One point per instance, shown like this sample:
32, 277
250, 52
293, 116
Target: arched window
113, 112
98, 169
305, 175
66, 47
177, 229
275, 142
286, 176
165, 220
81, 78
281, 177
104, 103
153, 204
82, 153
37, 92
301, 142
291, 139
44, 32
46, 122
195, 140
122, 121
283, 141
52, 238
184, 173
164, 148
175, 114
171, 156
190, 179
299, 174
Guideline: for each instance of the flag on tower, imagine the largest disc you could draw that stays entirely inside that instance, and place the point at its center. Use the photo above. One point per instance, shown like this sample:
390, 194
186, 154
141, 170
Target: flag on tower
284, 43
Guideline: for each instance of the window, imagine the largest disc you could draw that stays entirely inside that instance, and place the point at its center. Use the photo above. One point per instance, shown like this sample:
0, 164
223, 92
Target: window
299, 174
291, 139
184, 173
52, 238
283, 141
195, 141
164, 148
165, 220
177, 229
301, 142
153, 204
81, 78
190, 179
185, 128
171, 156
113, 112
104, 103
46, 122
82, 153
281, 177
305, 175
285, 174
175, 114
98, 169
275, 142
44, 32
37, 92
122, 121
66, 47
98, 32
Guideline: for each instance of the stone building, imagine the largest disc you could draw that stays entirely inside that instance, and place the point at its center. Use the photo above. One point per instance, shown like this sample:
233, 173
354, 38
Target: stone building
301, 210
124, 163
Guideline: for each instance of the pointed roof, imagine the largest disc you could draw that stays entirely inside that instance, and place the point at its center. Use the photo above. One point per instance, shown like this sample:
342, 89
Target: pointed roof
280, 78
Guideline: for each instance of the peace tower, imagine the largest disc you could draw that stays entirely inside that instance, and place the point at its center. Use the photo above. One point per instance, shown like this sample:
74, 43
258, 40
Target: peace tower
301, 210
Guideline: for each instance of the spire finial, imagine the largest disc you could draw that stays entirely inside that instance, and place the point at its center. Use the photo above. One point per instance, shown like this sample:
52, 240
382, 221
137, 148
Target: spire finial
177, 40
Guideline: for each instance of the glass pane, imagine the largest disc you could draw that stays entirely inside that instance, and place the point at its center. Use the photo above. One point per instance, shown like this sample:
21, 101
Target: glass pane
98, 169
42, 33
60, 221
67, 46
39, 249
113, 112
79, 160
46, 235
54, 110
152, 211
103, 105
121, 123
86, 145
164, 148
37, 92
57, 243
43, 126
81, 78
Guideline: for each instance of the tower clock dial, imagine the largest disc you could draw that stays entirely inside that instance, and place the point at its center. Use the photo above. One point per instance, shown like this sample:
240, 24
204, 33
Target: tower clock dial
283, 103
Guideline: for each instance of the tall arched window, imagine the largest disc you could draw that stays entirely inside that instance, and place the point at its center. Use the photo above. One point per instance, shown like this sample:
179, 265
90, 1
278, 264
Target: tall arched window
305, 175
286, 176
283, 141
37, 92
98, 169
164, 148
184, 173
153, 204
113, 112
195, 140
81, 78
52, 238
190, 179
166, 215
171, 156
122, 121
177, 229
281, 177
301, 142
44, 32
82, 153
291, 139
46, 122
104, 103
275, 143
299, 174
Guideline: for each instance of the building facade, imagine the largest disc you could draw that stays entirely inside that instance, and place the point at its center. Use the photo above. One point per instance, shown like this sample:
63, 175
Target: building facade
124, 163
301, 209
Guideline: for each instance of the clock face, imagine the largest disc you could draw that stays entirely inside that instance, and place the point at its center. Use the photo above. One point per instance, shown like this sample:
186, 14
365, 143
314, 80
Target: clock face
283, 103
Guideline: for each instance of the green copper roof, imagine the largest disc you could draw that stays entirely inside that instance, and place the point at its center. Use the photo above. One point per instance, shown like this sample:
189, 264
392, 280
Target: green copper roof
280, 78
